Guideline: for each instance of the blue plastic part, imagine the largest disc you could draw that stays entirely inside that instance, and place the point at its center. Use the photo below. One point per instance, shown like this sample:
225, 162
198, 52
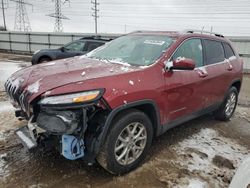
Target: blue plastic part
72, 147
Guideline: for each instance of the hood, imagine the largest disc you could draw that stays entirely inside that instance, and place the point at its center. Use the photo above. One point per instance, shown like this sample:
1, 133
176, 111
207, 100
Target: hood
36, 80
42, 51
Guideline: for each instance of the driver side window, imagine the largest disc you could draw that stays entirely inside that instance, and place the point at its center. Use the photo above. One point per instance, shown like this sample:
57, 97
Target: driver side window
75, 46
191, 49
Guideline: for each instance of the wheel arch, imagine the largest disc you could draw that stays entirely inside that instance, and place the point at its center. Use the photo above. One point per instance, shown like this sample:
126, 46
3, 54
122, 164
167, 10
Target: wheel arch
237, 84
44, 56
149, 107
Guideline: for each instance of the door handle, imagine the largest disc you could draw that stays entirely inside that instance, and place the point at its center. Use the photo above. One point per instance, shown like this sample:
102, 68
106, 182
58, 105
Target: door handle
230, 67
202, 72
203, 75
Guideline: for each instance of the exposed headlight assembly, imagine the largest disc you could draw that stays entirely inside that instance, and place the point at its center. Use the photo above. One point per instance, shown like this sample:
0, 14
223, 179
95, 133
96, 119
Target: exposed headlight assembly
74, 98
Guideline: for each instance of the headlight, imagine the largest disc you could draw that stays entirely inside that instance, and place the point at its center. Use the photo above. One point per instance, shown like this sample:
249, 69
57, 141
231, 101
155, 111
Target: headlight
72, 98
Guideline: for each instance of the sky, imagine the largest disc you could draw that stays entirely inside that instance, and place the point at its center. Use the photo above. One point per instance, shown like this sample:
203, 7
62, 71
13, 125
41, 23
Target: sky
228, 17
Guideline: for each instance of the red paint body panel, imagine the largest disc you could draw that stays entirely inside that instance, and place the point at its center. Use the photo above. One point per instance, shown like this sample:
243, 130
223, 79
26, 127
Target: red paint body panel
176, 93
181, 86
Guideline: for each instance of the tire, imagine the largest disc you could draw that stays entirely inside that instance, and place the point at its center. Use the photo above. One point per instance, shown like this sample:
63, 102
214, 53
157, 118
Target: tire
108, 158
228, 106
44, 60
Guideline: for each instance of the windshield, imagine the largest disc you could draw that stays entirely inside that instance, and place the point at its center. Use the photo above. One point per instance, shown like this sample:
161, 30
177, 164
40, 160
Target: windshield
140, 50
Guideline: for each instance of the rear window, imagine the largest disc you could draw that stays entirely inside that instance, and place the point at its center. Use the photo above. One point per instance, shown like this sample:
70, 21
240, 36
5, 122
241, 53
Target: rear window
214, 51
228, 50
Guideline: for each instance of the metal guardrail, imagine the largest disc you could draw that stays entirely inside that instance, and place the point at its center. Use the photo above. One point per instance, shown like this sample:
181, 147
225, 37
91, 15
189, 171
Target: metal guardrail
30, 42
245, 55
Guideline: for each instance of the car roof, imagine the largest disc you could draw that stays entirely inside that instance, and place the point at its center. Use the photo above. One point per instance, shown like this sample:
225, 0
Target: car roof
174, 34
96, 38
184, 34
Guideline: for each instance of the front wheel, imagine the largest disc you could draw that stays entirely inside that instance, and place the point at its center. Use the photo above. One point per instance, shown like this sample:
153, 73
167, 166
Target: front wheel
44, 60
127, 142
228, 106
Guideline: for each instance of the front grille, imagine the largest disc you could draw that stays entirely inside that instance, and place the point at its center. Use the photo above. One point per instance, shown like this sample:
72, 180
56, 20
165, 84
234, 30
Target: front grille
9, 89
21, 102
15, 94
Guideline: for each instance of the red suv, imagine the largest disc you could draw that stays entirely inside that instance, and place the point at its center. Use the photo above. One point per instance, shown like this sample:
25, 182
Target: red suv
108, 105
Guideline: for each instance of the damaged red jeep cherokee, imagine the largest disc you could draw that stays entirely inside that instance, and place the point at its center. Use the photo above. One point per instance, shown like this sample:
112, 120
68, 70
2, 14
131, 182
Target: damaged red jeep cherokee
108, 105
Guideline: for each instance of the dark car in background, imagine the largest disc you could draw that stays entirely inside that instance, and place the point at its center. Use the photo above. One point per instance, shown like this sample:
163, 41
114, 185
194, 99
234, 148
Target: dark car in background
74, 48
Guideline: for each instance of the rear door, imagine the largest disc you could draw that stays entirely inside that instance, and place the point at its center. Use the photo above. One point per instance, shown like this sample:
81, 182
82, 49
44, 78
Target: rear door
186, 89
231, 61
216, 68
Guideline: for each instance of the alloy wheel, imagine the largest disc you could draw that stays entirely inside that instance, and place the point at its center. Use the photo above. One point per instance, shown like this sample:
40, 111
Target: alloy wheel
230, 105
130, 143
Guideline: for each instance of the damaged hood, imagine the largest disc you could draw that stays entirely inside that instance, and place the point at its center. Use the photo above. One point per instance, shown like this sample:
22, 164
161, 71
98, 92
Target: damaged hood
36, 80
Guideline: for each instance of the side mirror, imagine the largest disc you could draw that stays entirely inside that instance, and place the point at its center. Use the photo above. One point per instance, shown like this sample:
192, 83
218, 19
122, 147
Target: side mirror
181, 64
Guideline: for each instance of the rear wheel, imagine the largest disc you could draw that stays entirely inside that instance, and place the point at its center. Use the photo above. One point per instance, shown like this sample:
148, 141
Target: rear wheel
127, 143
227, 108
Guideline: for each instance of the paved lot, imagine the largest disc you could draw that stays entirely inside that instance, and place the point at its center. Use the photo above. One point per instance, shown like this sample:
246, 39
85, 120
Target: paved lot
202, 153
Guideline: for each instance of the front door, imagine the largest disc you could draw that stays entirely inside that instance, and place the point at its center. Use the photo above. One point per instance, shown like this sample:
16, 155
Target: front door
186, 89
73, 49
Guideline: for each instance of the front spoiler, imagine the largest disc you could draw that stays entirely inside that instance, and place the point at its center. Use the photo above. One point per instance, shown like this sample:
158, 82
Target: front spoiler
24, 134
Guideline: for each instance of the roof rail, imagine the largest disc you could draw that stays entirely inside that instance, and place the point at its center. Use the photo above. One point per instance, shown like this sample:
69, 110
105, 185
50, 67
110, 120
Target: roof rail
152, 31
203, 32
96, 37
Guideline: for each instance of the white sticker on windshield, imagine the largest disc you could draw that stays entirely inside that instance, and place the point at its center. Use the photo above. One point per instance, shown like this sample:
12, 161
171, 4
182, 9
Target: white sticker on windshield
154, 42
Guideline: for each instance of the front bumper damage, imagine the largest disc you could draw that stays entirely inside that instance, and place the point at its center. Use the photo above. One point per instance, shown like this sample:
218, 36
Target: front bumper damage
74, 130
24, 134
72, 147
29, 134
